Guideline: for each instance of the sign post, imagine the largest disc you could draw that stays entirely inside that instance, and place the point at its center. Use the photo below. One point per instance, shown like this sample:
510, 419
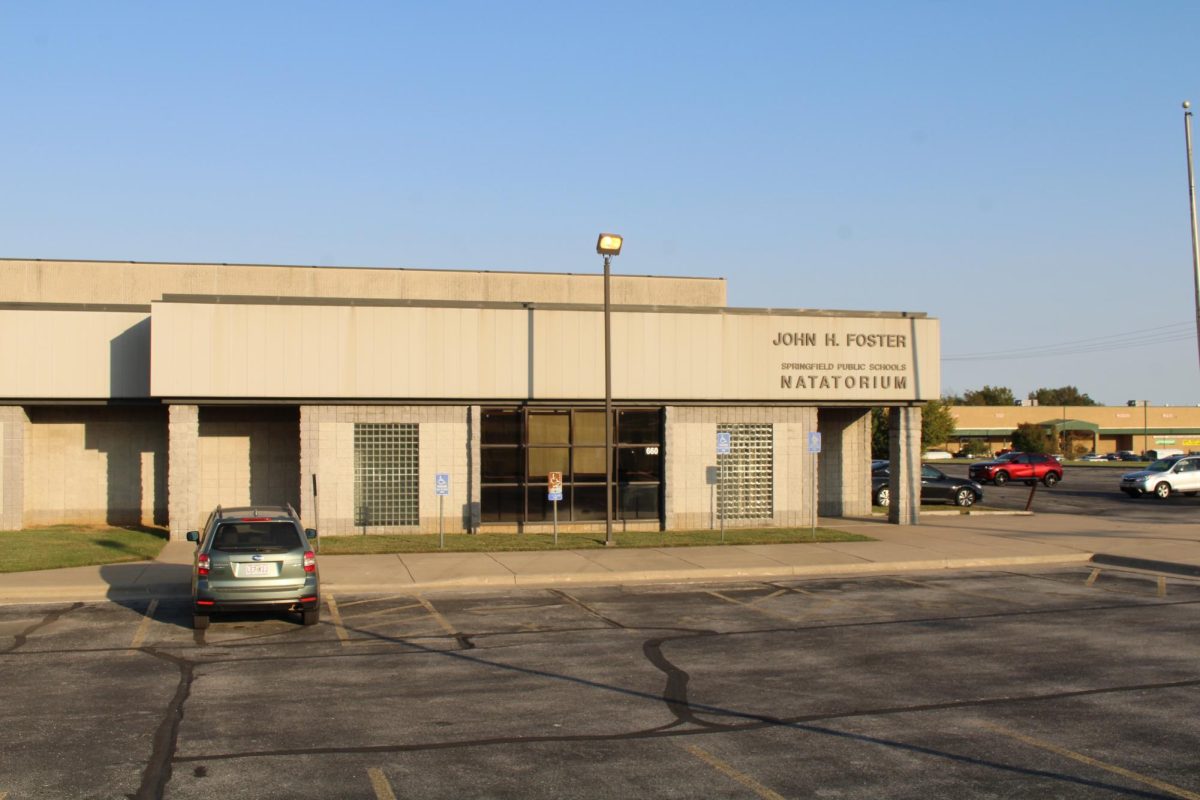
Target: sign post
554, 479
814, 447
724, 447
441, 486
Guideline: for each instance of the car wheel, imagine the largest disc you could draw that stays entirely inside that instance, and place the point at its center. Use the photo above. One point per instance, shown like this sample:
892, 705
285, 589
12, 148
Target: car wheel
1050, 478
1163, 490
964, 497
311, 617
1001, 478
199, 621
883, 497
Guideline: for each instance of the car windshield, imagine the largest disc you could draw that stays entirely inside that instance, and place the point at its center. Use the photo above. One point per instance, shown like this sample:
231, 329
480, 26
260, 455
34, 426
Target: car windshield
1008, 457
1162, 465
256, 537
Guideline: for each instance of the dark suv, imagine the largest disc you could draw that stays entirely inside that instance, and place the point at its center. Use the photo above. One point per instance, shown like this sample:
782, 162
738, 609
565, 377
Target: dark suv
252, 559
1028, 467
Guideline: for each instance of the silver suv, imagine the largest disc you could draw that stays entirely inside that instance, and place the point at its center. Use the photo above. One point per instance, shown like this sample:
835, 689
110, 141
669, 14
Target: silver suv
1164, 477
252, 559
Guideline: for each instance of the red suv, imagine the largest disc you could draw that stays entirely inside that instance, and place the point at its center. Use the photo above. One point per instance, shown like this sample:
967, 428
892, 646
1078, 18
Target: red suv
1028, 467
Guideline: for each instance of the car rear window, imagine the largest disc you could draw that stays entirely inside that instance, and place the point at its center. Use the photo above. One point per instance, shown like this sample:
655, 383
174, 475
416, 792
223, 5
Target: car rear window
232, 537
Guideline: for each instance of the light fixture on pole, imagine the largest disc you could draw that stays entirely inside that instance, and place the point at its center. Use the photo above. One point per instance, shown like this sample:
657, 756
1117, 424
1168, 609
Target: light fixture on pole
1187, 130
608, 245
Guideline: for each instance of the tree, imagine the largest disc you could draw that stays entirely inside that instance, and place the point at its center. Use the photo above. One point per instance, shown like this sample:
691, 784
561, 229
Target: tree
1062, 396
937, 426
1031, 438
880, 427
987, 396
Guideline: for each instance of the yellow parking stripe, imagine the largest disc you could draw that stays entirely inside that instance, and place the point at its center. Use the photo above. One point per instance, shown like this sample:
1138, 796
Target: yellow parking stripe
751, 606
1062, 751
379, 782
433, 612
337, 618
140, 635
728, 771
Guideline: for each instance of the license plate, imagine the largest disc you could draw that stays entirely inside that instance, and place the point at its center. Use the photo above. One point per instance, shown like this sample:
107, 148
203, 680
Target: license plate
256, 570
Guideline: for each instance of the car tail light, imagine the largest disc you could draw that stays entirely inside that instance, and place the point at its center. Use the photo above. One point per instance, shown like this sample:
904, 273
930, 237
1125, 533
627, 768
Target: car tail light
310, 561
206, 602
202, 564
256, 519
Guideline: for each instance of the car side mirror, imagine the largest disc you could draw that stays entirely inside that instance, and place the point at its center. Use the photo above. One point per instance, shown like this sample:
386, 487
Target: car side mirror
310, 533
193, 536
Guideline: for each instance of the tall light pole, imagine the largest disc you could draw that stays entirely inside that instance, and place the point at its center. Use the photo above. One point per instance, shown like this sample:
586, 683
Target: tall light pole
1187, 130
608, 245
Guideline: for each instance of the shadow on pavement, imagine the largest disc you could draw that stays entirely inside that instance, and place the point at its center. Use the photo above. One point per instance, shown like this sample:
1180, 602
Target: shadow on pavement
135, 585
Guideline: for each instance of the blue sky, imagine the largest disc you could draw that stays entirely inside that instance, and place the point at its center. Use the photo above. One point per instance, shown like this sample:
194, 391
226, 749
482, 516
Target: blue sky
1016, 169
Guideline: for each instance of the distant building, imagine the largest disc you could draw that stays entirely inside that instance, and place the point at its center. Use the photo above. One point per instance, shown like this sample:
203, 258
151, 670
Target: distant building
149, 393
1099, 429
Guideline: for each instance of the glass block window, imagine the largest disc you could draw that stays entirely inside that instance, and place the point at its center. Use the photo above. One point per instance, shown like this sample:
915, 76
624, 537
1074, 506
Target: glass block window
386, 476
747, 487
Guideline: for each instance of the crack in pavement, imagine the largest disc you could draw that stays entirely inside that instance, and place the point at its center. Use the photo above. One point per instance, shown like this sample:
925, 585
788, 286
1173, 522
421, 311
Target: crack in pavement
21, 638
157, 773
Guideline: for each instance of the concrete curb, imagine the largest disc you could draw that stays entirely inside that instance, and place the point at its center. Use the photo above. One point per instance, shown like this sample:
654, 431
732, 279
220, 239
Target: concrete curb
696, 575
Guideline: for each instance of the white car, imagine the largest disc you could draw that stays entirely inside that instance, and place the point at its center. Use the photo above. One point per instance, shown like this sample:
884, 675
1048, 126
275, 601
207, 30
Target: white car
1093, 457
1164, 477
935, 455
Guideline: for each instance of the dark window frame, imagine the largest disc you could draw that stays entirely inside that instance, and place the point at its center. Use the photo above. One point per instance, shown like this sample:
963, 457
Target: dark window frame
571, 508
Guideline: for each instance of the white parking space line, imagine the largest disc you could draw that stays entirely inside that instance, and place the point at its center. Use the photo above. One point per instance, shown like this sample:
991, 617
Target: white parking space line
379, 782
1062, 751
140, 635
728, 771
337, 619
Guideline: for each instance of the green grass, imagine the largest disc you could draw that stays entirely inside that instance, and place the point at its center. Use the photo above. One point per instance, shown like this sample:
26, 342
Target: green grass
71, 546
497, 542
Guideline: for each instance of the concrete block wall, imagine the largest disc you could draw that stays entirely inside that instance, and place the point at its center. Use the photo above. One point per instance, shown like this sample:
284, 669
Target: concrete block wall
905, 477
13, 423
249, 456
448, 443
95, 465
691, 433
183, 475
844, 465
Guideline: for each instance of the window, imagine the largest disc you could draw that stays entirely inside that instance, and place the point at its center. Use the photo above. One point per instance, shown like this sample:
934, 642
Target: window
747, 486
386, 479
520, 447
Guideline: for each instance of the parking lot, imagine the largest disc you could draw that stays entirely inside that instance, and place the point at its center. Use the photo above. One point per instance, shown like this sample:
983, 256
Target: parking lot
1085, 490
1060, 682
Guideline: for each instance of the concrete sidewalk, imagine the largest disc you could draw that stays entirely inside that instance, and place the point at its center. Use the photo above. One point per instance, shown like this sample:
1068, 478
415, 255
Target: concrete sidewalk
940, 542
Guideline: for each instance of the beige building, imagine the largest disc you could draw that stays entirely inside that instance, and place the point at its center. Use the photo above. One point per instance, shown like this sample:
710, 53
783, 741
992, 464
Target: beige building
136, 393
1099, 429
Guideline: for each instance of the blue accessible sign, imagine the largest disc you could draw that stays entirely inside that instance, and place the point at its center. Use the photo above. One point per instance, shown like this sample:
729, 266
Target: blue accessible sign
441, 484
724, 443
814, 442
